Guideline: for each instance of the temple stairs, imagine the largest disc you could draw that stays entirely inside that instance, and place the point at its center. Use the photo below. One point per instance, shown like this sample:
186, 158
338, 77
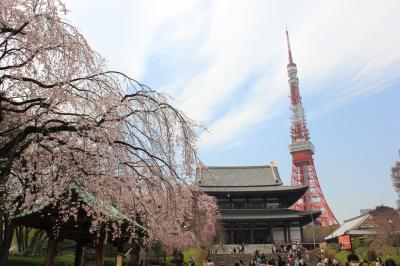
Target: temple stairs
248, 249
229, 260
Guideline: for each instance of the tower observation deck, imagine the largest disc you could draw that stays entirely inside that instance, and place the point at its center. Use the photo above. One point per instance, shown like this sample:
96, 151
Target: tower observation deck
302, 150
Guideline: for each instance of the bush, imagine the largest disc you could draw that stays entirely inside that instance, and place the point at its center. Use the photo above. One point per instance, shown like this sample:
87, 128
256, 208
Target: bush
64, 260
25, 261
342, 257
371, 254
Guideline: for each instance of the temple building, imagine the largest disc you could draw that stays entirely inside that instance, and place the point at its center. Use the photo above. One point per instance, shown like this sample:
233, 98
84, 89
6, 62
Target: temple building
254, 205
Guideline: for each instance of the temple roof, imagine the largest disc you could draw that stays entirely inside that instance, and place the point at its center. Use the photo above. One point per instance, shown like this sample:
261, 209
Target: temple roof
267, 214
238, 176
45, 215
300, 189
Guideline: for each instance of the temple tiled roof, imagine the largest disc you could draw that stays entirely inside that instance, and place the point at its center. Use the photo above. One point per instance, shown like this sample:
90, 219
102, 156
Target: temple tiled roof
238, 176
88, 198
265, 214
213, 189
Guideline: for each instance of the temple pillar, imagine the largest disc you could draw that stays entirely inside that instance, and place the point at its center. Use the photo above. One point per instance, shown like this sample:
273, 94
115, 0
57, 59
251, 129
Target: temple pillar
79, 253
289, 234
252, 234
100, 252
51, 251
285, 233
232, 234
271, 237
301, 234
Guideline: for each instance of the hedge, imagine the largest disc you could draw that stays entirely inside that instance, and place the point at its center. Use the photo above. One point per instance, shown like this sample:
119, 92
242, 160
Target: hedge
64, 260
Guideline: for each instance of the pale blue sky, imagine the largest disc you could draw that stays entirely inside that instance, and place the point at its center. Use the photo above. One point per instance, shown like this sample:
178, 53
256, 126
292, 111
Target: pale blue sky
225, 64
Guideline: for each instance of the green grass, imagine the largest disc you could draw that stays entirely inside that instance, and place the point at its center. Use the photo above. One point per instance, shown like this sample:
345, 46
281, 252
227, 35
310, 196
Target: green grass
198, 255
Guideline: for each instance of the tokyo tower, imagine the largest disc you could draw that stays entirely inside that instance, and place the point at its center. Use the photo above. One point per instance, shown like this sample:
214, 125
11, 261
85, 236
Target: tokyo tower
302, 150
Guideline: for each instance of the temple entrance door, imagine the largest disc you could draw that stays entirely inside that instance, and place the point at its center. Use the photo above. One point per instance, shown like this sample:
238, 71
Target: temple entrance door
260, 236
241, 236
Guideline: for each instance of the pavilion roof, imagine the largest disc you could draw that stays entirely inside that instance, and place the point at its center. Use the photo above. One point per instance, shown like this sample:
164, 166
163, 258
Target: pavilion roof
348, 225
88, 198
238, 176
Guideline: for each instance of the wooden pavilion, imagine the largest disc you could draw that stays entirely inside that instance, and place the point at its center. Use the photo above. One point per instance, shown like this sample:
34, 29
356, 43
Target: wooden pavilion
46, 217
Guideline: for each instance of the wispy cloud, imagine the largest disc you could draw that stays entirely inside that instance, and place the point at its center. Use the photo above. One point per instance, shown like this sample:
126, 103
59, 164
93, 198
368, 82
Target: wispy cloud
225, 61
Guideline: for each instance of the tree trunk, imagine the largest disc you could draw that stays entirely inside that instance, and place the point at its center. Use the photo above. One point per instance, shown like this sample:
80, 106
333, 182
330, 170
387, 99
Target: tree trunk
79, 253
26, 231
19, 238
51, 252
6, 242
134, 259
100, 253
38, 241
1, 225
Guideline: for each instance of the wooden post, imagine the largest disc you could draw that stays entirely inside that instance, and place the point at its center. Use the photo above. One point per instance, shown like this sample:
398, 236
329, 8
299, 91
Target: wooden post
100, 252
79, 253
289, 234
301, 233
251, 234
51, 251
118, 259
119, 256
271, 236
232, 235
285, 233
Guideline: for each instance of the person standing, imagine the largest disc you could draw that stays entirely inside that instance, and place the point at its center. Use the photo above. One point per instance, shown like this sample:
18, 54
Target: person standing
302, 262
279, 262
389, 261
192, 262
379, 262
210, 263
179, 259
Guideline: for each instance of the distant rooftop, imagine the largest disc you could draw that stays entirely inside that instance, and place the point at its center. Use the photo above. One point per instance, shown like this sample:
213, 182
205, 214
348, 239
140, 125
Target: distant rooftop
238, 176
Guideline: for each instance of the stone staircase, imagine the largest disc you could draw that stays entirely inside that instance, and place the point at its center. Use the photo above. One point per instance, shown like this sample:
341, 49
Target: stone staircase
229, 260
248, 248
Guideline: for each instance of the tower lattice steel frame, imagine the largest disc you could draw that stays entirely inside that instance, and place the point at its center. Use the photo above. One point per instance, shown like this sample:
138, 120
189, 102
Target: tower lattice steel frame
302, 150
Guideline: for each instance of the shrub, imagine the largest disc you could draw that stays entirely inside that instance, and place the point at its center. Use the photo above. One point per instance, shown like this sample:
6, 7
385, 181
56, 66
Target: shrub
64, 260
342, 257
371, 254
25, 261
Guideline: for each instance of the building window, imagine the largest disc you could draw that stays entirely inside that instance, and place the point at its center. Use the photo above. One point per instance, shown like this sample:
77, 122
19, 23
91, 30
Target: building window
256, 203
238, 203
272, 204
278, 234
223, 203
295, 234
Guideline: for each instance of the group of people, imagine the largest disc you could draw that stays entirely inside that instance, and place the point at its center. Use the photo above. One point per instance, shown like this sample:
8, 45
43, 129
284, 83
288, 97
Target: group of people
240, 249
354, 260
295, 249
327, 262
289, 260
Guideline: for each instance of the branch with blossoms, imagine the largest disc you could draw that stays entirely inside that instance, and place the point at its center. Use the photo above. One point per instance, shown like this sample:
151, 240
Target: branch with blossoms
65, 119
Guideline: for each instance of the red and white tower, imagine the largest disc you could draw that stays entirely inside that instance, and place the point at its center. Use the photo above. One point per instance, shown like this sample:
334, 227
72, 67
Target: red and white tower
302, 150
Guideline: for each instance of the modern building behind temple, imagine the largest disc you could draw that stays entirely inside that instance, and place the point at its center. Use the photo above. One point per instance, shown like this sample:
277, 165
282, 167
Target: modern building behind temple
254, 205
